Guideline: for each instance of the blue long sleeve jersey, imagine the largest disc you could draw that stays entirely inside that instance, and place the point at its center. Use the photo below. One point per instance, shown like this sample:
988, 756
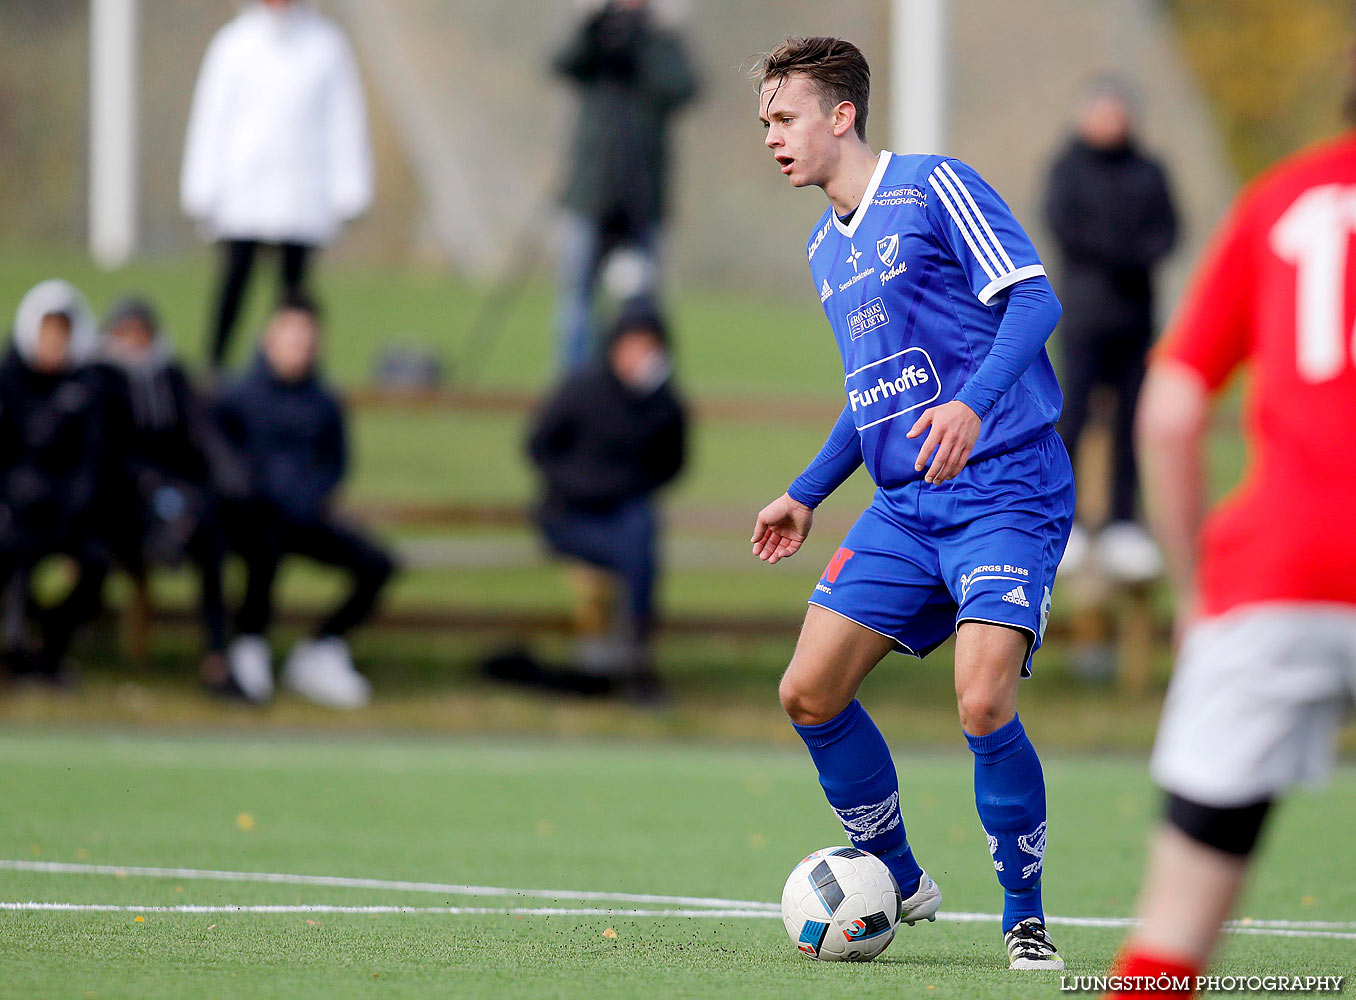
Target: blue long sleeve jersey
934, 292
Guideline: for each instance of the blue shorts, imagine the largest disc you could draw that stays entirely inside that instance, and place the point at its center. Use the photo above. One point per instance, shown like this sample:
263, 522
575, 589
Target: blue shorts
983, 547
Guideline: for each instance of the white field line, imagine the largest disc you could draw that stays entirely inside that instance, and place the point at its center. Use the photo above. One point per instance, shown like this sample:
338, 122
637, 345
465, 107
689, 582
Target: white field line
695, 906
1342, 930
1245, 924
567, 911
454, 911
341, 882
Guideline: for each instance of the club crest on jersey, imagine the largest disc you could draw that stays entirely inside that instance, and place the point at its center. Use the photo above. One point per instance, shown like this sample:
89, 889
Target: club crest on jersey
887, 249
825, 291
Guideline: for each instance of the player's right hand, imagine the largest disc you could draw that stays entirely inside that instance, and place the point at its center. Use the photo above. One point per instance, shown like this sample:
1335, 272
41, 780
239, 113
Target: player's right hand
782, 526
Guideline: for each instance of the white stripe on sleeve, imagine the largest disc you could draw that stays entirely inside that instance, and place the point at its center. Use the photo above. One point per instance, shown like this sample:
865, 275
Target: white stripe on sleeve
967, 222
965, 229
951, 173
987, 293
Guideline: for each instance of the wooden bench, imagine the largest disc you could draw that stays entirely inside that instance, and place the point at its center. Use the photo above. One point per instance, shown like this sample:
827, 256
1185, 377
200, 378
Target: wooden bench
1122, 618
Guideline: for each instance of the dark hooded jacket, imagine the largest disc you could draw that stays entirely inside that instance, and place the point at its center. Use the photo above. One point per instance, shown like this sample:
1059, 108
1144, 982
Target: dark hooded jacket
50, 445
157, 427
291, 438
156, 423
598, 443
50, 432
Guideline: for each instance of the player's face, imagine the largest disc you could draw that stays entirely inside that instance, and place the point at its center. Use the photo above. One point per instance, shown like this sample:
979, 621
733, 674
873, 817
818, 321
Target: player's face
800, 133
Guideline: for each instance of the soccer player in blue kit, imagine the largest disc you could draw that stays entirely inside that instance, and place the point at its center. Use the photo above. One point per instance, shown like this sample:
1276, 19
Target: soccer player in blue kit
941, 310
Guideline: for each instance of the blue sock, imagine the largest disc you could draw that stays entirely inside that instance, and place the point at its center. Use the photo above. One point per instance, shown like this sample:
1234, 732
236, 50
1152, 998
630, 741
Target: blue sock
858, 776
1010, 797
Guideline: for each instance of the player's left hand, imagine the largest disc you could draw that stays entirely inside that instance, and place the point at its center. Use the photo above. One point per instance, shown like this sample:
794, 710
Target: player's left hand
955, 427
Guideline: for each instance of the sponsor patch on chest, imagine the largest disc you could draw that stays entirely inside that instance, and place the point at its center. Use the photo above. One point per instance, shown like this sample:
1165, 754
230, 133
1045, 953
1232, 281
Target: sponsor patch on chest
884, 389
871, 316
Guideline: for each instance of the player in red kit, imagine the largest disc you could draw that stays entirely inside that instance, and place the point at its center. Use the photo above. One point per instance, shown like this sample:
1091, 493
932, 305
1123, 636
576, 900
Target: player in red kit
1265, 583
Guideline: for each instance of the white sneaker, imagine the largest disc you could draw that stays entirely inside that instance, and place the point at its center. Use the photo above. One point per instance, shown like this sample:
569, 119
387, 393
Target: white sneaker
1030, 947
923, 904
1077, 551
1127, 553
250, 663
321, 670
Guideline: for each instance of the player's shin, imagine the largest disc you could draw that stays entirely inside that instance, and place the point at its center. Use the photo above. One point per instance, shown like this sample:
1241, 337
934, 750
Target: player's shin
858, 777
1010, 797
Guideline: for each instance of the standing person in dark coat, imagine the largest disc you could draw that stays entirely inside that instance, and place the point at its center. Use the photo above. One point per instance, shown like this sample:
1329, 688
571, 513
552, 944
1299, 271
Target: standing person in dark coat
1110, 209
605, 441
633, 75
166, 466
288, 427
50, 462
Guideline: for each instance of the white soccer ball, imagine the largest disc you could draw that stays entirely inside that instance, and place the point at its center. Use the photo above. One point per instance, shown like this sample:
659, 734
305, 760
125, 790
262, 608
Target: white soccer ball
841, 904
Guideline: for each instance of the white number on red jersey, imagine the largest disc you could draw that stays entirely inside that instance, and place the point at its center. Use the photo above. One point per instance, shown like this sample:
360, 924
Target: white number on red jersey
1314, 235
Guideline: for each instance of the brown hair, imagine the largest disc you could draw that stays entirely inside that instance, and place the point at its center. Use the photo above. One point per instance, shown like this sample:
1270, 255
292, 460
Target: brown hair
837, 67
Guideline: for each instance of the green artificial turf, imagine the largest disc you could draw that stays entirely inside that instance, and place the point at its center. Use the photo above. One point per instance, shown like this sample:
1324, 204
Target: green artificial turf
558, 816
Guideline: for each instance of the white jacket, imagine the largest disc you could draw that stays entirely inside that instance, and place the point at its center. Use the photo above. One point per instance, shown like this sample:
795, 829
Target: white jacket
277, 147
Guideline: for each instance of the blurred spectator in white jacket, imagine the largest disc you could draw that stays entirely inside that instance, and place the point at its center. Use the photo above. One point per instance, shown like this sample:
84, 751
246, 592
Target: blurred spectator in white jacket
277, 152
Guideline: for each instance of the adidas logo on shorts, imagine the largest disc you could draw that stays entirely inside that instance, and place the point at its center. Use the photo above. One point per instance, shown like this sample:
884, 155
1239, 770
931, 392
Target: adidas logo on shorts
1017, 596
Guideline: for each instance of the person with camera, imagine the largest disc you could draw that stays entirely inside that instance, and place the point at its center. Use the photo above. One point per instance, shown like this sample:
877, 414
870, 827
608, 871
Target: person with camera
632, 74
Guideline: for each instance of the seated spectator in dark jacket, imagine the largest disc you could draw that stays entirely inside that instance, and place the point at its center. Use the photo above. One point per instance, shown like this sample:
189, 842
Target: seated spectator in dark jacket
50, 446
605, 441
289, 430
166, 464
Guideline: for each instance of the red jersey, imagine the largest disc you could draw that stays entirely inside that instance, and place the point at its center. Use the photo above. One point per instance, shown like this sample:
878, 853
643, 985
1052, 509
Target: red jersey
1277, 292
